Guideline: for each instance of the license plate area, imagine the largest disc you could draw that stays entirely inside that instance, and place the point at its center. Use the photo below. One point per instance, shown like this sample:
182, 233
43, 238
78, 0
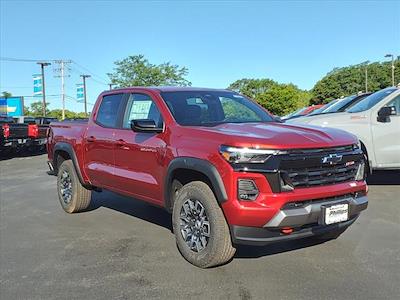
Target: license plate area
335, 213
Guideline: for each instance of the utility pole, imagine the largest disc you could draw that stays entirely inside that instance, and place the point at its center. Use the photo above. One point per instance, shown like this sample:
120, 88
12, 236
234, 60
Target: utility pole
62, 64
366, 75
42, 65
110, 85
392, 56
84, 91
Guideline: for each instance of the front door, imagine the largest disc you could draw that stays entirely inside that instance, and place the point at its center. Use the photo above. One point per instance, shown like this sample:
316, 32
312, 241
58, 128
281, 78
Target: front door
386, 138
140, 157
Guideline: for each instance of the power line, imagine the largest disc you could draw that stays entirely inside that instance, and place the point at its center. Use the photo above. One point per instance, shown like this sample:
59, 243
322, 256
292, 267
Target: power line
91, 73
23, 59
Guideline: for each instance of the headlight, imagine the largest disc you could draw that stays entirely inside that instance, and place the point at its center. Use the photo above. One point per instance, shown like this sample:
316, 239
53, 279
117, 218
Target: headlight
357, 145
360, 175
246, 155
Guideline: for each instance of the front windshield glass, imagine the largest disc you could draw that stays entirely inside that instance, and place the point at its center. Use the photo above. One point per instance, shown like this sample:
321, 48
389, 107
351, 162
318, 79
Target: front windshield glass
371, 100
320, 110
338, 105
209, 108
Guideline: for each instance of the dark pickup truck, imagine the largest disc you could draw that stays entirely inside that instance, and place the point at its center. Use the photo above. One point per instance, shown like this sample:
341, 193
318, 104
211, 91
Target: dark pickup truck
12, 135
222, 165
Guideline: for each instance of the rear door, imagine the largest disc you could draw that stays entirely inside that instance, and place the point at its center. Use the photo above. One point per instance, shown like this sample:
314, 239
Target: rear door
386, 137
99, 143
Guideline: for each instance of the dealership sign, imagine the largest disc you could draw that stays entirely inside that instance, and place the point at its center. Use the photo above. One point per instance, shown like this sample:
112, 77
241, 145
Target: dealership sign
11, 106
79, 92
37, 85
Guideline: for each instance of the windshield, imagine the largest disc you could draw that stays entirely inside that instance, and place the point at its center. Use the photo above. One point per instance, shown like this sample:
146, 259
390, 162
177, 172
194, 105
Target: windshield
371, 100
320, 110
338, 105
208, 108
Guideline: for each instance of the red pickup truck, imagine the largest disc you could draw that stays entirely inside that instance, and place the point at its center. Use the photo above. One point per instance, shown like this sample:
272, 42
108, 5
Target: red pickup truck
226, 169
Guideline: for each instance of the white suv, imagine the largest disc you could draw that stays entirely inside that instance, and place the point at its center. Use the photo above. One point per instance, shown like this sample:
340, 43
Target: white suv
375, 120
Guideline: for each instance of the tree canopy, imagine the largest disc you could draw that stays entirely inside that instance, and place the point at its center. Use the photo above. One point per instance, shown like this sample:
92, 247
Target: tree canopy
351, 80
136, 70
277, 98
35, 110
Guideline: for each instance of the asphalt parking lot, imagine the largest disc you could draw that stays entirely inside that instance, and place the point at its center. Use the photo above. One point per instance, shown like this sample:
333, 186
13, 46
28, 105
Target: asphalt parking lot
124, 249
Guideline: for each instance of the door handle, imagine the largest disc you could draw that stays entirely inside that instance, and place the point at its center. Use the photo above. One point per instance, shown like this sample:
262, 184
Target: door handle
120, 143
90, 139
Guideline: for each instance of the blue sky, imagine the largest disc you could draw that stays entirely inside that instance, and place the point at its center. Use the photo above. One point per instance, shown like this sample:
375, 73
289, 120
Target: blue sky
219, 41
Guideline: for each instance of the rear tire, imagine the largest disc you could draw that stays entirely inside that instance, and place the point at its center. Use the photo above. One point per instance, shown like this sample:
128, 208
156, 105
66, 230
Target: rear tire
72, 195
202, 234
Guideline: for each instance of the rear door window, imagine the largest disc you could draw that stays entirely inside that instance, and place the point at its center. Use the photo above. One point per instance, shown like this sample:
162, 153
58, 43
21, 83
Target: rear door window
107, 115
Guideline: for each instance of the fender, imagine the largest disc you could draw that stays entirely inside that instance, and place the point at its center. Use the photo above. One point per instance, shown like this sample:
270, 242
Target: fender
66, 147
198, 165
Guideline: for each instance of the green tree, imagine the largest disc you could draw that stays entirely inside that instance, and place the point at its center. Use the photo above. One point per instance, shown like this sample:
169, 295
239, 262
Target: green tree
277, 98
35, 109
351, 80
6, 94
136, 70
57, 113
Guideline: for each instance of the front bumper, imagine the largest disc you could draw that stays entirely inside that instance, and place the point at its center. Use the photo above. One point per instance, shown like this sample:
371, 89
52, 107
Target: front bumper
310, 212
263, 236
305, 221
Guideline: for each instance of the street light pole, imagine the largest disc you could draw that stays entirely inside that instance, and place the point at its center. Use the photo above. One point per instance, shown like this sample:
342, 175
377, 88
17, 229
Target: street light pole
110, 85
366, 75
392, 56
42, 65
84, 91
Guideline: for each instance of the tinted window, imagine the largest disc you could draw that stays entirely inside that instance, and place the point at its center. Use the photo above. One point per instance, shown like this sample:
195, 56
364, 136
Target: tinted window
396, 103
338, 105
371, 100
107, 114
208, 108
141, 106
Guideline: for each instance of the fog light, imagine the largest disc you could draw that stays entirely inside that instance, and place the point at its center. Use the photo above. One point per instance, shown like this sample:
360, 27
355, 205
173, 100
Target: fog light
360, 172
247, 189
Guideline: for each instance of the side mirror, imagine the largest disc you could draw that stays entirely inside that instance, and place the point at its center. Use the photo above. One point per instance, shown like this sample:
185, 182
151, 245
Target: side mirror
385, 112
145, 125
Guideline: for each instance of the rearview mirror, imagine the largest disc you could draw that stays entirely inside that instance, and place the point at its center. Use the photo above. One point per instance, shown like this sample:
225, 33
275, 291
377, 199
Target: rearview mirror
145, 125
385, 112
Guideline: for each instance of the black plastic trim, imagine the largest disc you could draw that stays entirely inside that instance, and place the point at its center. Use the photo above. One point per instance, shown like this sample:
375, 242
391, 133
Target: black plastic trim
63, 146
259, 236
199, 165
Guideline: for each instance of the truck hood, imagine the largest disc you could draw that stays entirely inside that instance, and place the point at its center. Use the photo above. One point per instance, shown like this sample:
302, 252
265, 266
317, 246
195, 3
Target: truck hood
279, 135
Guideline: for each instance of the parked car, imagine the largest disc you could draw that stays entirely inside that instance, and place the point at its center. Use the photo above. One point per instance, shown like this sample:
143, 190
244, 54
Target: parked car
302, 112
13, 136
226, 170
345, 103
375, 120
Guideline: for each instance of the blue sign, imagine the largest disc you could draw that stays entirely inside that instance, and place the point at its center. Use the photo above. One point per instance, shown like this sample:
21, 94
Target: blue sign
12, 106
80, 93
37, 85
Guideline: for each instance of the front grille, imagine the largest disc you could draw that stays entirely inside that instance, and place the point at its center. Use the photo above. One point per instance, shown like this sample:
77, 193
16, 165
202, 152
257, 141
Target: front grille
308, 170
301, 168
322, 175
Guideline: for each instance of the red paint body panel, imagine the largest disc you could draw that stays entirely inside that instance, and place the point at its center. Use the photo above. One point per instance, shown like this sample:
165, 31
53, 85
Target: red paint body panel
310, 109
138, 165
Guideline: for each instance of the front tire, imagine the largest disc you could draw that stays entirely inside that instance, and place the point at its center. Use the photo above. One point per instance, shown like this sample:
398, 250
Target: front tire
202, 234
72, 195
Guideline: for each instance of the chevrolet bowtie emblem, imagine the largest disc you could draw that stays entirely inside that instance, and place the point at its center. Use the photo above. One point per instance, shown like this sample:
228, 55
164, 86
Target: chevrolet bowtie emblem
332, 159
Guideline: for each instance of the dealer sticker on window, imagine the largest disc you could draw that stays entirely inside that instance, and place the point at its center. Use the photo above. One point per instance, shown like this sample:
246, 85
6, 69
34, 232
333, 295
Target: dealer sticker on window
336, 213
